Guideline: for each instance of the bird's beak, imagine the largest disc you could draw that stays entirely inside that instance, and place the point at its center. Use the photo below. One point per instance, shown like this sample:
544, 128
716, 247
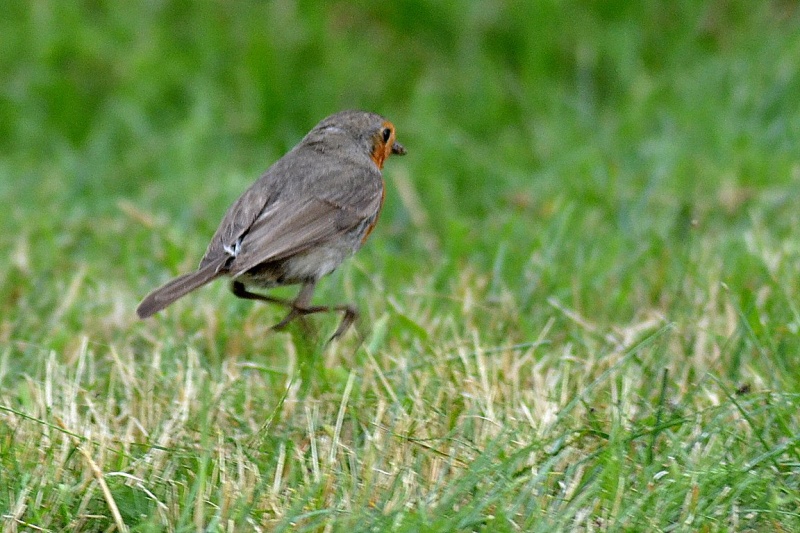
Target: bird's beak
398, 148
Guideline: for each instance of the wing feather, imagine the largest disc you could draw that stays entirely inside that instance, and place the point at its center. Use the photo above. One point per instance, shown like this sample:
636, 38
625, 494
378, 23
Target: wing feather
302, 200
308, 224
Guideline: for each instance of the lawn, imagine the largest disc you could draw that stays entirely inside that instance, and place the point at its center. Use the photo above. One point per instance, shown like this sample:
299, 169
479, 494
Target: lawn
579, 311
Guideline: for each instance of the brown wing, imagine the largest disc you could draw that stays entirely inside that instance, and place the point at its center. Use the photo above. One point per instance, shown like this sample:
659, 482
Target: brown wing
306, 197
300, 195
238, 219
295, 227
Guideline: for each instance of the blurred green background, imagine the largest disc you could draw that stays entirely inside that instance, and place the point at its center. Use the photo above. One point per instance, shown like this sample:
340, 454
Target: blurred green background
569, 148
613, 121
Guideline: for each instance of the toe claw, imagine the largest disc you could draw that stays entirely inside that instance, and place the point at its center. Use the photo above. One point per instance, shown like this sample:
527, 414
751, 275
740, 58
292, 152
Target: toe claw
350, 316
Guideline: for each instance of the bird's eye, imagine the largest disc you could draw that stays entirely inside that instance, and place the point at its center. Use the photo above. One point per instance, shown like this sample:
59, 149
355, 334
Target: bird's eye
387, 133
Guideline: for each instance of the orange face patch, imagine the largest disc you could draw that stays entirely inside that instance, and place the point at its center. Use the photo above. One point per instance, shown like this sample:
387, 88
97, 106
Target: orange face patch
382, 145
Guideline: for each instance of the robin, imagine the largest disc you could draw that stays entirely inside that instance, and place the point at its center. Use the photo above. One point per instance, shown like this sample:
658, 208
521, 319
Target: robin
310, 210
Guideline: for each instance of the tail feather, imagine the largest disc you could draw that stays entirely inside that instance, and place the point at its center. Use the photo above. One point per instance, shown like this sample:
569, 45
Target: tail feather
176, 288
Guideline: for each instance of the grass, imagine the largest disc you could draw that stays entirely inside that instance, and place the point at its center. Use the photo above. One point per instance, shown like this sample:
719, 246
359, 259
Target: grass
579, 310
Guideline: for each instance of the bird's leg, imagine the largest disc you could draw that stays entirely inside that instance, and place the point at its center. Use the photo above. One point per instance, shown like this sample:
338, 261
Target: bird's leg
301, 308
350, 315
239, 290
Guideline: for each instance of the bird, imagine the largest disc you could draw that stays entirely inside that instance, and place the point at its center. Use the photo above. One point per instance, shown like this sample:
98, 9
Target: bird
308, 212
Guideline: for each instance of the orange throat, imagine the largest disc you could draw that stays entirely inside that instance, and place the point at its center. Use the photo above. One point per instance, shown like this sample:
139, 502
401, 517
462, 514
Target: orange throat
378, 156
381, 149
